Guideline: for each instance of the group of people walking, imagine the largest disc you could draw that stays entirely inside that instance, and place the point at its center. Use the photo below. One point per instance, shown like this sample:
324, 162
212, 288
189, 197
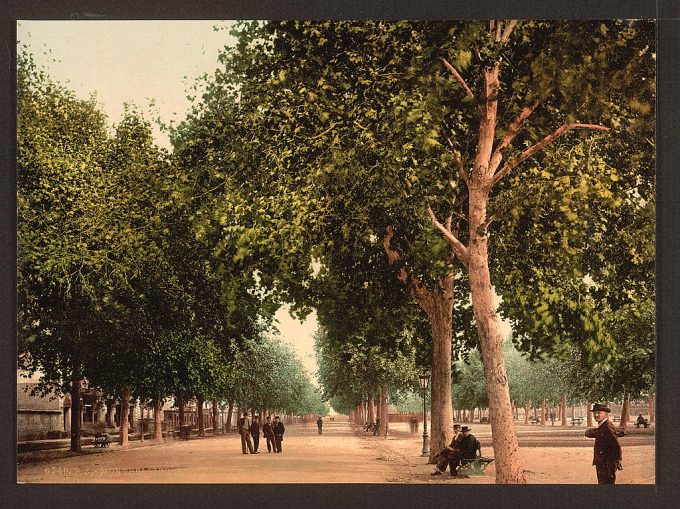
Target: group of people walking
272, 431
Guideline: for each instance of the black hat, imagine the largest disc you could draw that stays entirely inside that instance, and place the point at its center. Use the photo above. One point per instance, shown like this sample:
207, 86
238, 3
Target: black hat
456, 426
600, 408
464, 429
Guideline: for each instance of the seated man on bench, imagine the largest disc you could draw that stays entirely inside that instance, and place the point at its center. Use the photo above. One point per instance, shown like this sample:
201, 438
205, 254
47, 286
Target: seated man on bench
451, 455
469, 446
641, 421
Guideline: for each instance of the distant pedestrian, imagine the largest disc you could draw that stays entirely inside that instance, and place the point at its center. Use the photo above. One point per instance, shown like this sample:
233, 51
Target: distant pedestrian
319, 424
376, 427
244, 431
552, 417
268, 431
255, 432
279, 430
607, 451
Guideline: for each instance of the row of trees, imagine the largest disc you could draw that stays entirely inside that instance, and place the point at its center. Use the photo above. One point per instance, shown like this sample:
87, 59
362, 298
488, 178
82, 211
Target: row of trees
116, 287
421, 166
474, 155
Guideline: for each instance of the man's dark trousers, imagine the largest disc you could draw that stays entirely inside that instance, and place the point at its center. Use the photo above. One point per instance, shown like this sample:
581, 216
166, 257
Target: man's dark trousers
606, 472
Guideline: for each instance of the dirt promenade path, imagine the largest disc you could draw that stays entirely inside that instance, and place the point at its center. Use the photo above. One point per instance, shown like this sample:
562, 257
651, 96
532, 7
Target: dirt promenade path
337, 456
341, 455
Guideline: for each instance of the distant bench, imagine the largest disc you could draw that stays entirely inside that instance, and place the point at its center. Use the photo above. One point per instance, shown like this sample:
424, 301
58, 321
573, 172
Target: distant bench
645, 423
576, 421
101, 440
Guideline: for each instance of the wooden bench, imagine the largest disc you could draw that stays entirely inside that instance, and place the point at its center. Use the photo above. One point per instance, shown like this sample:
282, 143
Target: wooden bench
101, 440
645, 424
577, 421
534, 420
474, 467
185, 432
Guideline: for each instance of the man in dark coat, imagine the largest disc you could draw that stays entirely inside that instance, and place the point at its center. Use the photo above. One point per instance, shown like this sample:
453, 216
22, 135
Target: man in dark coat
449, 457
279, 429
268, 431
244, 431
319, 424
255, 432
469, 446
607, 451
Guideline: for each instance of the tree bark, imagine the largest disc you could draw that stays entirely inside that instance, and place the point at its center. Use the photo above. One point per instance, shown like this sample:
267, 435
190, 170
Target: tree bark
214, 416
75, 415
527, 409
563, 409
199, 413
509, 469
543, 412
124, 415
625, 409
371, 410
589, 415
441, 316
180, 404
157, 423
381, 410
230, 411
141, 421
650, 402
438, 305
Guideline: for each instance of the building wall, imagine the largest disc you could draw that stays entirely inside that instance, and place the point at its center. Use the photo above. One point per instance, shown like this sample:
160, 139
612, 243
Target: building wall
36, 425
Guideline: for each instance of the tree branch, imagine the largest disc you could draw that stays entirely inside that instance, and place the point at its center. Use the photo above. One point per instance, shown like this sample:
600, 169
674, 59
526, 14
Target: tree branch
540, 146
458, 247
499, 27
458, 77
508, 30
420, 293
459, 162
497, 156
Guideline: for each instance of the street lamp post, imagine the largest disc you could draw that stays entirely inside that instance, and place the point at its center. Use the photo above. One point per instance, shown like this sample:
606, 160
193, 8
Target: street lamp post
424, 380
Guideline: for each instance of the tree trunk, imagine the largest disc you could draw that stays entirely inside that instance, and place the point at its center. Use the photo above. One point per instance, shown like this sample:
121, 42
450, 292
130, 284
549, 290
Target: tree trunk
214, 416
124, 416
625, 409
589, 415
441, 317
543, 412
157, 423
573, 412
230, 411
371, 410
383, 409
563, 409
438, 305
201, 423
527, 409
141, 421
180, 404
509, 469
650, 402
75, 415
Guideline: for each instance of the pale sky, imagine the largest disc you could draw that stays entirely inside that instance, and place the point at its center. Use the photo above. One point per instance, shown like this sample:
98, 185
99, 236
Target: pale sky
140, 61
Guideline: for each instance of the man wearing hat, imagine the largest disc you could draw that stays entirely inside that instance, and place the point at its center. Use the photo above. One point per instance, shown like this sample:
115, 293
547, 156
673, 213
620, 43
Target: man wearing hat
469, 445
607, 451
449, 456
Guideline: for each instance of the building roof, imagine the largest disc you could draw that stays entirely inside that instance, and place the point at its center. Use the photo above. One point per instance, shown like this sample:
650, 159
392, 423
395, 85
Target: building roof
25, 401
